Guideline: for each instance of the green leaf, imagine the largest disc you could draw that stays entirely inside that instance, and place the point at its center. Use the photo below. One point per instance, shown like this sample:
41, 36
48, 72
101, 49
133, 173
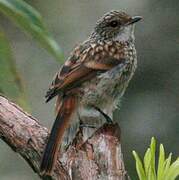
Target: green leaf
161, 163
139, 167
151, 174
147, 161
10, 81
153, 149
166, 170
167, 165
27, 18
173, 171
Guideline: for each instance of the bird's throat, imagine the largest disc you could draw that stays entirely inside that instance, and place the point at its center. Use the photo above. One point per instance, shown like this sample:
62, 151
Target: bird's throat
126, 34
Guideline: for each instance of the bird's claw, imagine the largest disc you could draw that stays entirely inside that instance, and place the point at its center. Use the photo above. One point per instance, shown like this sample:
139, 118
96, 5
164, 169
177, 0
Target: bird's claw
108, 119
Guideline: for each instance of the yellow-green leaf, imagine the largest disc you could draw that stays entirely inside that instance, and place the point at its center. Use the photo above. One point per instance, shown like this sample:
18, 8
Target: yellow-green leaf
167, 165
147, 161
173, 171
161, 163
139, 167
153, 149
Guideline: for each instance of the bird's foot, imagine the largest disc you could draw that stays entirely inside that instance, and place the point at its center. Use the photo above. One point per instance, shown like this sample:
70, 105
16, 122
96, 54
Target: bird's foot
86, 126
83, 125
108, 119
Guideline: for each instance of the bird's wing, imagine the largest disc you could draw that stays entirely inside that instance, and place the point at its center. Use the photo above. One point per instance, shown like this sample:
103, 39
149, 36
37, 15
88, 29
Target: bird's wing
84, 65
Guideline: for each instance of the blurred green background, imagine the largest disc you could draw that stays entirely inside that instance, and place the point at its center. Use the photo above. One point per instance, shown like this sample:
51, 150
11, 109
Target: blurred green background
151, 104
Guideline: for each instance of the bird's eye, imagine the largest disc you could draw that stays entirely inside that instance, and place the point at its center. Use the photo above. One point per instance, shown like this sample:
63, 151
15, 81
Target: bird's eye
114, 24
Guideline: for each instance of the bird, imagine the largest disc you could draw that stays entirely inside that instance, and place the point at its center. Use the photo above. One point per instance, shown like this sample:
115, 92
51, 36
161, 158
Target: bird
95, 76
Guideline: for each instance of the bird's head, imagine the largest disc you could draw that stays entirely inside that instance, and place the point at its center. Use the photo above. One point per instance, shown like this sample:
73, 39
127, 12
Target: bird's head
115, 25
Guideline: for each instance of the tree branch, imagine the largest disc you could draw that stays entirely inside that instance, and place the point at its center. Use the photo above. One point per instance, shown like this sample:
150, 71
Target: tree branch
100, 157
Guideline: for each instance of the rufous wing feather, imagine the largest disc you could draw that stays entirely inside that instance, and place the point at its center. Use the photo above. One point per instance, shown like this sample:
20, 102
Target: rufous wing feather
84, 62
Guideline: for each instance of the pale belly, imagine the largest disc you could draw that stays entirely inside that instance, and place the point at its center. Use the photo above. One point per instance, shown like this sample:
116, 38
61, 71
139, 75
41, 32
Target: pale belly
105, 90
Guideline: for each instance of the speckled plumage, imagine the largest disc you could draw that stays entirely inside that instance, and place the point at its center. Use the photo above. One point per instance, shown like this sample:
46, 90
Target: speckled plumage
98, 70
103, 90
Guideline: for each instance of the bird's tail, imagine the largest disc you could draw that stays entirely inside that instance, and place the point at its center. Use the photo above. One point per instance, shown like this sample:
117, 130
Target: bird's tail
60, 125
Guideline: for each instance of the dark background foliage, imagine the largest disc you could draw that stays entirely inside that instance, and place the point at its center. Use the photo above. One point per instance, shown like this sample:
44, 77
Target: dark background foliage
151, 104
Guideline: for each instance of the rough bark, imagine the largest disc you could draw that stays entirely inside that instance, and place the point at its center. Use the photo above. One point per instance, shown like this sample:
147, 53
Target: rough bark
99, 157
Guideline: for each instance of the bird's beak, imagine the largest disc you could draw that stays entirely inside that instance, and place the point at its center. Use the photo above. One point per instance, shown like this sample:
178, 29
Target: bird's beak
134, 20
